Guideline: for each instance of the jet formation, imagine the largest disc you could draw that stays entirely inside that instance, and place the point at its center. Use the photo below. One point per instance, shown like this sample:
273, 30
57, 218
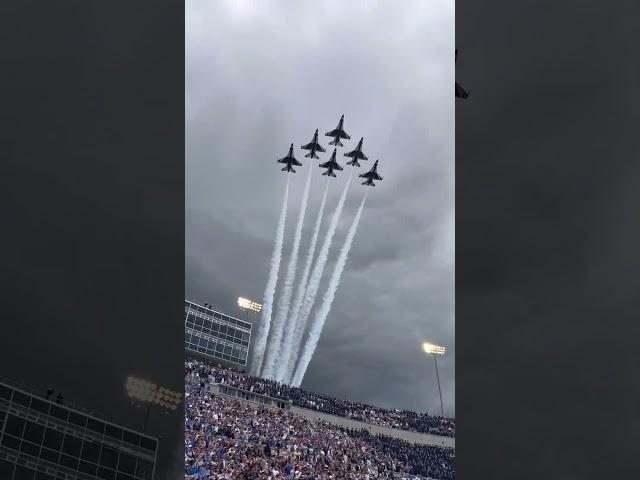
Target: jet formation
332, 164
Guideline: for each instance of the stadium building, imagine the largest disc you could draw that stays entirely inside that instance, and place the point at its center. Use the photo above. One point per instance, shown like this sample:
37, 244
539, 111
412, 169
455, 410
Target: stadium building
215, 335
44, 440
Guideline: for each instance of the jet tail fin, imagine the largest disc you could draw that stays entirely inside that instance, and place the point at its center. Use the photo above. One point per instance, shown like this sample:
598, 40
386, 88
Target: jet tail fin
287, 169
354, 162
308, 155
336, 142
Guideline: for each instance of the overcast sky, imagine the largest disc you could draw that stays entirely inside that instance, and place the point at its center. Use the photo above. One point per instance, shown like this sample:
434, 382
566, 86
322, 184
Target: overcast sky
259, 77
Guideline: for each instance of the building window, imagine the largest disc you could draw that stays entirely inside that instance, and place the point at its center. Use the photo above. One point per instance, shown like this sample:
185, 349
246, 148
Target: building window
14, 426
106, 474
113, 432
6, 469
88, 468
39, 406
59, 413
127, 464
95, 425
77, 419
49, 455
72, 445
10, 442
34, 433
21, 399
132, 438
109, 458
30, 448
23, 473
90, 451
148, 444
69, 462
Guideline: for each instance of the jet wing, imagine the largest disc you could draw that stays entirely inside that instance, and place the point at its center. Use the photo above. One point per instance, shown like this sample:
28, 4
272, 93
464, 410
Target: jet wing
295, 162
330, 164
377, 177
319, 148
308, 146
344, 135
284, 160
333, 133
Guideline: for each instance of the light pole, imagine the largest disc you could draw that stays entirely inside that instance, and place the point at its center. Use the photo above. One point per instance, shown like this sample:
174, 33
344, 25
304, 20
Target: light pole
435, 350
149, 393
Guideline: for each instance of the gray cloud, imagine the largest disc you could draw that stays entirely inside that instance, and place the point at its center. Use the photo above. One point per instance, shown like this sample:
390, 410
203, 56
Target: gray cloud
259, 78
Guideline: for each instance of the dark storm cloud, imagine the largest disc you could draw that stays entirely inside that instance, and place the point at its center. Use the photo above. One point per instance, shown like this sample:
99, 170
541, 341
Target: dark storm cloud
547, 240
92, 206
259, 78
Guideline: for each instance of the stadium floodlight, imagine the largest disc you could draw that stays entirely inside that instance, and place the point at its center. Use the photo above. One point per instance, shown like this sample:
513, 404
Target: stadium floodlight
248, 304
147, 392
435, 351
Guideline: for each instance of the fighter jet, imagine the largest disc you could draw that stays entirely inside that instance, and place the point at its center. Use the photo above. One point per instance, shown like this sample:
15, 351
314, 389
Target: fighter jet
331, 165
460, 92
289, 160
371, 175
338, 133
314, 146
356, 154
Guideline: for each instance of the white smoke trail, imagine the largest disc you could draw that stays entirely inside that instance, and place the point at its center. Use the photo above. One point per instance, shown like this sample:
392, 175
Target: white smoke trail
321, 315
293, 334
318, 268
269, 291
284, 302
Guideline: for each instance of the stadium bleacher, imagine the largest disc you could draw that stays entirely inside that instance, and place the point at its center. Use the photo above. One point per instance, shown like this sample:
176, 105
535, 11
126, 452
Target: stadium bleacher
228, 439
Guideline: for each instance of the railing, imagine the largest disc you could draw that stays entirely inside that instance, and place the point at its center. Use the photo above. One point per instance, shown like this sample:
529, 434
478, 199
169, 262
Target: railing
41, 393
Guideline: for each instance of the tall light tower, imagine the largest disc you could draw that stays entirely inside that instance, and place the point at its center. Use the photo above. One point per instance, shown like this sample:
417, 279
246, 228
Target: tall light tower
150, 394
435, 351
249, 305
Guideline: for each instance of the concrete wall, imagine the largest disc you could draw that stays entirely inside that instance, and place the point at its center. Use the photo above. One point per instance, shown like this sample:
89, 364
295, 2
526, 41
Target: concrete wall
246, 396
414, 437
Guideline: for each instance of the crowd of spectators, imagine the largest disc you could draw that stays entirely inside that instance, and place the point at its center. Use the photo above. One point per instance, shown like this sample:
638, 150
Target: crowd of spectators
424, 460
402, 419
226, 439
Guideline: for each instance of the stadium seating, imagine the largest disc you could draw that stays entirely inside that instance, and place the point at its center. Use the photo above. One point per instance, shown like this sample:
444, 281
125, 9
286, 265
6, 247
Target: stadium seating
226, 439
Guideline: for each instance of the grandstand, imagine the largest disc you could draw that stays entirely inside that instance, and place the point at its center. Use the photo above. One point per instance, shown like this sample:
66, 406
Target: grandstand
242, 427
